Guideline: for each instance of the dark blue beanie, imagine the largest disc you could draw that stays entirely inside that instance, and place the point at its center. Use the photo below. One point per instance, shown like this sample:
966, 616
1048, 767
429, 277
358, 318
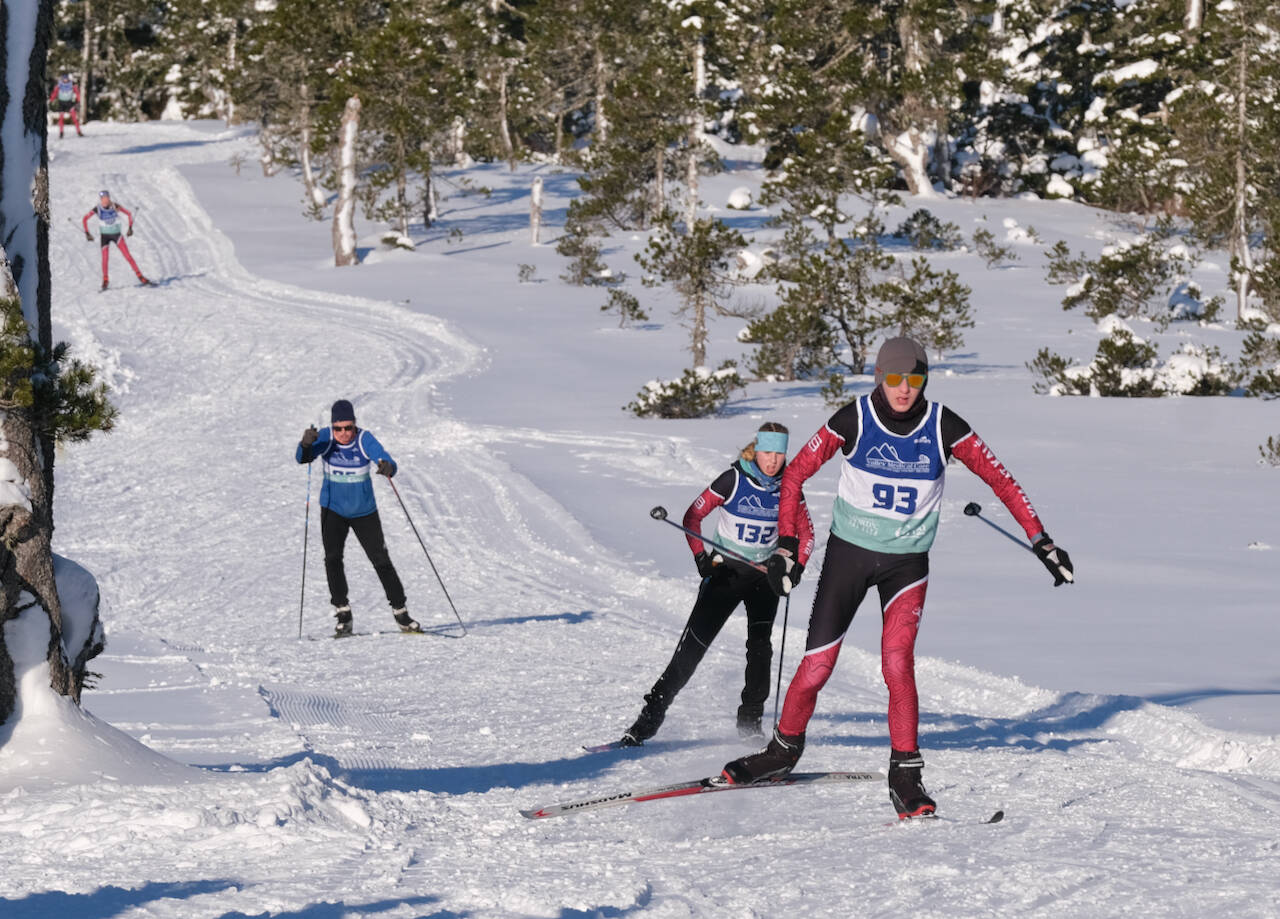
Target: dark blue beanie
342, 411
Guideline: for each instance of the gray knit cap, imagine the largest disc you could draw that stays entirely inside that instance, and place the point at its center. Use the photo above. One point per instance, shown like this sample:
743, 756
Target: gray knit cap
901, 355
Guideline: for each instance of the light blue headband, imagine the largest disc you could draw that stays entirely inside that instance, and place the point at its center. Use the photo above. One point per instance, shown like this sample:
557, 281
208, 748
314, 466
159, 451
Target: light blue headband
771, 442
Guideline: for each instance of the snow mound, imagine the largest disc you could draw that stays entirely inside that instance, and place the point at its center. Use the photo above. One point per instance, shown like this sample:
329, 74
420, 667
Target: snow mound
49, 740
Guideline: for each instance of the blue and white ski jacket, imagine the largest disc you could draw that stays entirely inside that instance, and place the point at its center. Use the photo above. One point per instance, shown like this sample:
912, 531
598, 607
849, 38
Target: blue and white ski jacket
348, 471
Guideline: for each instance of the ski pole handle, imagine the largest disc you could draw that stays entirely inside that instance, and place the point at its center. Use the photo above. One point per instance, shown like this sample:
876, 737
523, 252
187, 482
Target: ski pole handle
660, 513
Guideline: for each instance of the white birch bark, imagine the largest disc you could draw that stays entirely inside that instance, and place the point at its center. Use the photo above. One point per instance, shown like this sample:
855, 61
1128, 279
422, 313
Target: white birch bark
697, 136
344, 233
600, 83
1193, 20
535, 210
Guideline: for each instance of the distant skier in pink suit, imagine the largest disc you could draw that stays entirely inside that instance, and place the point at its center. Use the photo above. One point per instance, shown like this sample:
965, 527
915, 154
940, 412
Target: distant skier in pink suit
108, 214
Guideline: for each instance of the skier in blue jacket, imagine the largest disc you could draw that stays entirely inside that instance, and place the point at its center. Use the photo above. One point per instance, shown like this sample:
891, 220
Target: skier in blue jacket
349, 457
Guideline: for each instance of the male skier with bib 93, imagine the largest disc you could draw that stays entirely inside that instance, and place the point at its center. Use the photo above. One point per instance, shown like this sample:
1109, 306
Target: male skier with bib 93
895, 446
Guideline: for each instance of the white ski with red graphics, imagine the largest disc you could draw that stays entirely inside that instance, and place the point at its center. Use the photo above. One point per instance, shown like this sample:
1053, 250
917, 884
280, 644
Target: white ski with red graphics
611, 745
698, 787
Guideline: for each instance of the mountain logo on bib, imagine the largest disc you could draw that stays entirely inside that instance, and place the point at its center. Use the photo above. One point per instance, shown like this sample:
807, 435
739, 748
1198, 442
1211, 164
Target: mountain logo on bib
752, 506
885, 458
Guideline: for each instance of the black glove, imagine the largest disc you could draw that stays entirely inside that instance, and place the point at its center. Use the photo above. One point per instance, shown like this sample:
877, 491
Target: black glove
1055, 559
88, 236
309, 436
708, 563
386, 468
129, 232
782, 571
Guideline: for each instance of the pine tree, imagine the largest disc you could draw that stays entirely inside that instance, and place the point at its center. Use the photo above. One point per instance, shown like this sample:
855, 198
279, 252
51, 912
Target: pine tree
44, 397
1226, 119
699, 264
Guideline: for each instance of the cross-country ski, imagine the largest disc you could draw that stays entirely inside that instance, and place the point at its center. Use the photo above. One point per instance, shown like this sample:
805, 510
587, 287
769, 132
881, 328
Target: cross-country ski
696, 787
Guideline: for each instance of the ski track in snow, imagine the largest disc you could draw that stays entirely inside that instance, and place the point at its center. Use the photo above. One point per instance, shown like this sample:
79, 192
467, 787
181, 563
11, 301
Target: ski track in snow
382, 775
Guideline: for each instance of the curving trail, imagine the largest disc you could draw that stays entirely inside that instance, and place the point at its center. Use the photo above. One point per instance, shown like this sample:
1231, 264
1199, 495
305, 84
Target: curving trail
382, 775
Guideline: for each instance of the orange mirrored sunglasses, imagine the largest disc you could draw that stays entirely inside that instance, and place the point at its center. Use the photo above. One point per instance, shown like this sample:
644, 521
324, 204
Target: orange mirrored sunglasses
914, 380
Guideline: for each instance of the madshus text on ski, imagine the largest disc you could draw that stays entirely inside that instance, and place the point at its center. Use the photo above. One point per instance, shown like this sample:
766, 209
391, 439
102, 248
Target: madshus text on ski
894, 446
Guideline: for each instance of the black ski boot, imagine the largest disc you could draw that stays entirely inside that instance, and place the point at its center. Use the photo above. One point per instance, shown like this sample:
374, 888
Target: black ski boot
905, 788
343, 627
749, 721
773, 762
651, 716
406, 622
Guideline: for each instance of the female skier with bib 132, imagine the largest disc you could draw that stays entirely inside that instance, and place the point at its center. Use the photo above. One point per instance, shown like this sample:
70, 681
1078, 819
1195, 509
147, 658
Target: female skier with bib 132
747, 496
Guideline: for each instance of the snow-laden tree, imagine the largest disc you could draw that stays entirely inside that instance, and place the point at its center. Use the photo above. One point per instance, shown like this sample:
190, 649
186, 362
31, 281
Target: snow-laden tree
1226, 118
44, 396
409, 84
203, 40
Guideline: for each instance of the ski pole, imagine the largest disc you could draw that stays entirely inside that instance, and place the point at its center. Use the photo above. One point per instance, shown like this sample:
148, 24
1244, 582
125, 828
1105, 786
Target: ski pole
777, 690
660, 513
974, 509
306, 531
427, 554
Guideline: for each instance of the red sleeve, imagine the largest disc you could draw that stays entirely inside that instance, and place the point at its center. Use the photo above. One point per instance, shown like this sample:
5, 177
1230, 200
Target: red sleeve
86, 219
53, 93
975, 454
804, 532
792, 515
702, 505
128, 213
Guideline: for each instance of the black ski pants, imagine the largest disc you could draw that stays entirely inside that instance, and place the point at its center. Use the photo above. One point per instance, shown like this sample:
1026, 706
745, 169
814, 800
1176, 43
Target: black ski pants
718, 596
368, 530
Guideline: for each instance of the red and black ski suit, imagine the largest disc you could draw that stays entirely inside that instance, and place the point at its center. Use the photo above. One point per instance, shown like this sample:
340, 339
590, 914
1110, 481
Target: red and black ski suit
849, 569
733, 582
109, 232
64, 99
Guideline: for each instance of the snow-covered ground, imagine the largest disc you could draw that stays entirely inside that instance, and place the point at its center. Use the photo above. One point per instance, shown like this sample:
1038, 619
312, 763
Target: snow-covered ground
224, 768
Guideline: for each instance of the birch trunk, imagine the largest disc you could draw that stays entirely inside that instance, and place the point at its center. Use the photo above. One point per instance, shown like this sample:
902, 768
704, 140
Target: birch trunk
601, 84
535, 209
1238, 246
315, 194
86, 61
696, 135
344, 233
504, 127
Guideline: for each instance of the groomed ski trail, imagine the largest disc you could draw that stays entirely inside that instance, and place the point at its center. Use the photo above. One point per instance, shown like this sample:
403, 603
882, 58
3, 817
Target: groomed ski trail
391, 771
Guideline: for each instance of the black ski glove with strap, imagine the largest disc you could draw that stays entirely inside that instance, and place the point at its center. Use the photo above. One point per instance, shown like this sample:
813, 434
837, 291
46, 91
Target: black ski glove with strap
782, 571
1054, 559
708, 562
385, 468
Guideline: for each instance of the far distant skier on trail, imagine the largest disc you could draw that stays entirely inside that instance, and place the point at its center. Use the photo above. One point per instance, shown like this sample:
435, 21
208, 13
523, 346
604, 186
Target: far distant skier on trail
108, 213
895, 445
65, 98
747, 496
349, 457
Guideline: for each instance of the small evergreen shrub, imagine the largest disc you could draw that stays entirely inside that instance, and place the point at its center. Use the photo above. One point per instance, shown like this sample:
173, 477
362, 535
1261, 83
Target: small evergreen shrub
1127, 280
991, 252
1270, 451
626, 306
698, 393
925, 231
1126, 366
